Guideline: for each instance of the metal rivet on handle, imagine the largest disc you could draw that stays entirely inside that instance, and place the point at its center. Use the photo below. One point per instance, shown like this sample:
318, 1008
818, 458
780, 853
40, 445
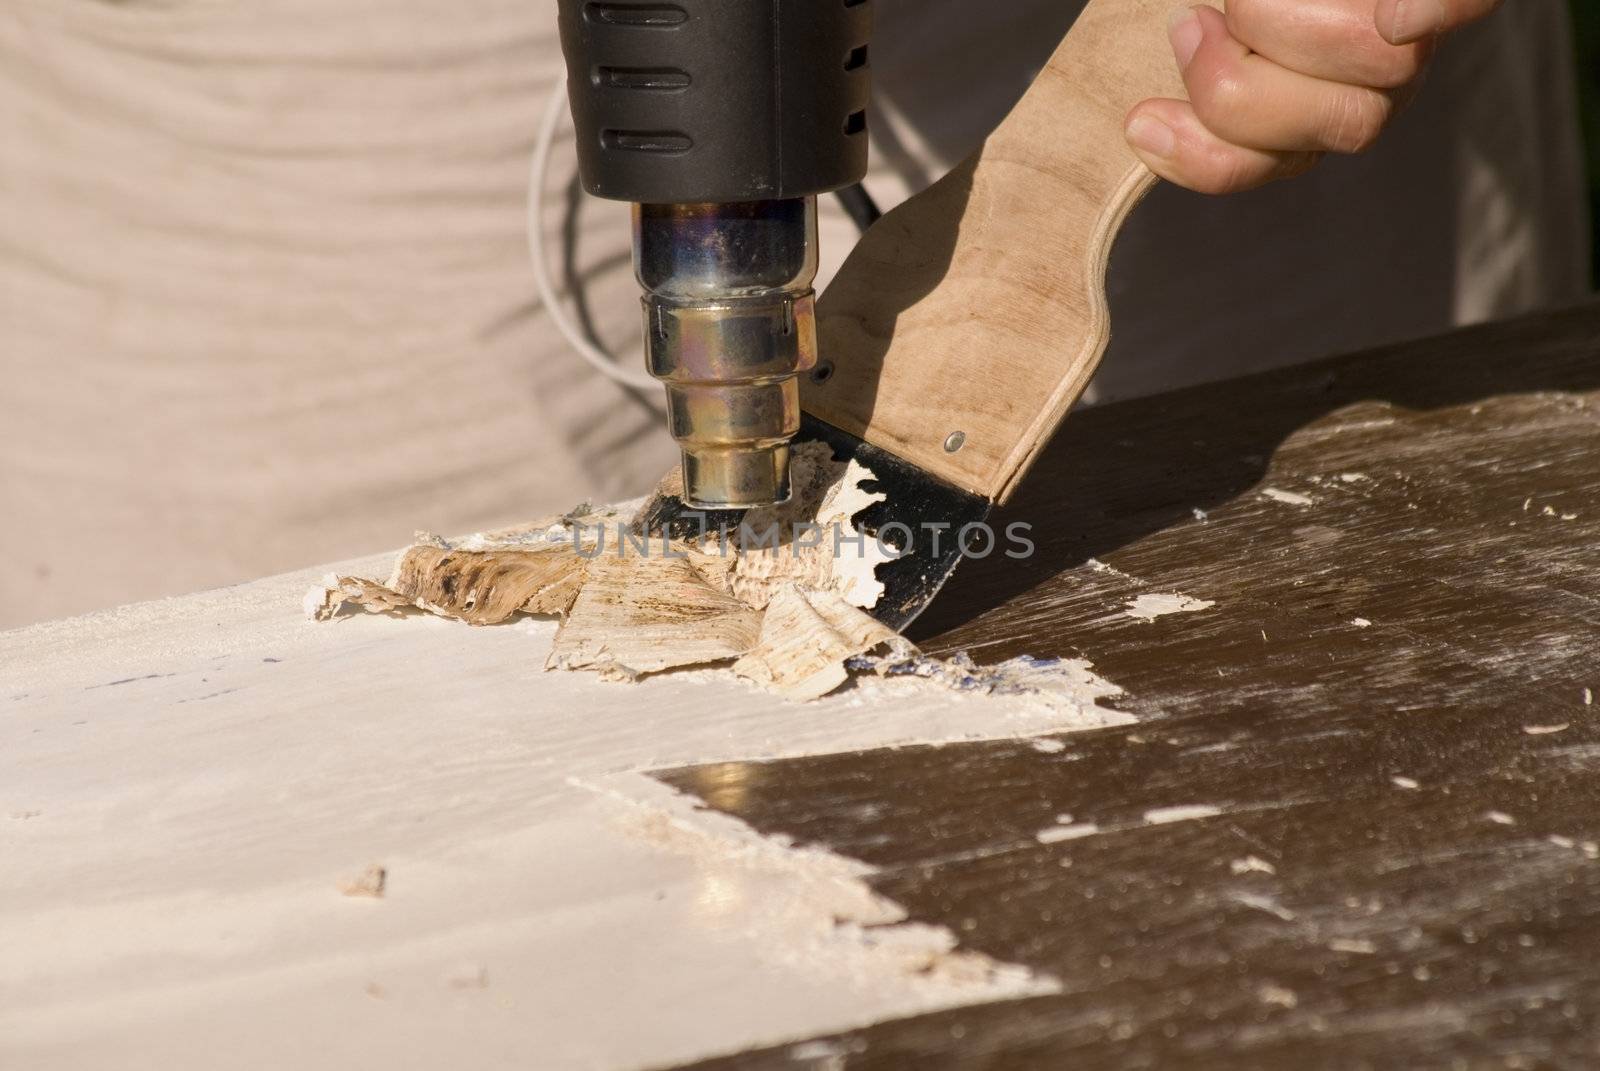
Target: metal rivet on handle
954, 441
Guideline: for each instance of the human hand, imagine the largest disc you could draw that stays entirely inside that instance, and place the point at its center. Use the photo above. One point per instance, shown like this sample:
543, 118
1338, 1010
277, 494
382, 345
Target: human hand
1275, 84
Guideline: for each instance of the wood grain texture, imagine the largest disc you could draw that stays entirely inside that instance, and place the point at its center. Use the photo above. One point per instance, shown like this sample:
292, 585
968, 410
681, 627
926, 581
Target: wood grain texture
979, 305
1385, 733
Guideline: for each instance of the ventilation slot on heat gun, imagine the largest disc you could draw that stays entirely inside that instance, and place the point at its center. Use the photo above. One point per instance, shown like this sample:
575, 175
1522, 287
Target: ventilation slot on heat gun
635, 14
643, 78
657, 141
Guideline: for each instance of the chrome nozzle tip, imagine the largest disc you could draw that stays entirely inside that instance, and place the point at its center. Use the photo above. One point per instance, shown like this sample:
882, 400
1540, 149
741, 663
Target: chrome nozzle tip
736, 478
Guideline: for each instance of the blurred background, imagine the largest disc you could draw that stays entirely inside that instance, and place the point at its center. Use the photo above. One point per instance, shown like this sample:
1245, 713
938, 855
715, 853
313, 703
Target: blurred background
1586, 24
266, 298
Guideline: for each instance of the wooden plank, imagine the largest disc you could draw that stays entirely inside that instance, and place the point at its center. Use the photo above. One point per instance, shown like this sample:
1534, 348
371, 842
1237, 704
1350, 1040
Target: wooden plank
188, 783
1384, 839
188, 787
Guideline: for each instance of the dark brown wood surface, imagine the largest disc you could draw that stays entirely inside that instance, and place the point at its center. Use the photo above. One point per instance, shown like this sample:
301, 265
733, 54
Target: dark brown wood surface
1403, 869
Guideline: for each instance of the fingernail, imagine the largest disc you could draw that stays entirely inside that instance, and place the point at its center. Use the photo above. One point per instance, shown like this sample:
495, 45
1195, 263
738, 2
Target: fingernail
1414, 20
1185, 32
1153, 136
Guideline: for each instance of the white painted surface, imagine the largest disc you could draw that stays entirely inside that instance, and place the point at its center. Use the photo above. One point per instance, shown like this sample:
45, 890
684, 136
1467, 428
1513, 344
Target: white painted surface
176, 812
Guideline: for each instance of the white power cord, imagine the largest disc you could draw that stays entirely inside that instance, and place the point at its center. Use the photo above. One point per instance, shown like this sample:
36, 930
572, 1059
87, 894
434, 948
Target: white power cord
555, 107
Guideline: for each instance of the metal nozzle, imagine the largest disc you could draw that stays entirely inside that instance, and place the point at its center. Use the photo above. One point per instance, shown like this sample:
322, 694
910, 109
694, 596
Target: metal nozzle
730, 322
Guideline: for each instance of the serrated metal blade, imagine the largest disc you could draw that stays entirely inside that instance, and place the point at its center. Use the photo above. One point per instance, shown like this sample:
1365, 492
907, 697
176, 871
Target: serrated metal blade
921, 516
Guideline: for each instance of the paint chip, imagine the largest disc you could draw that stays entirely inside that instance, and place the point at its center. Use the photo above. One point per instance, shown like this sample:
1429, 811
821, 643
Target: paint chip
1545, 730
1049, 745
786, 615
1289, 497
806, 638
1150, 607
1101, 567
370, 884
1057, 834
1360, 622
1200, 515
1500, 818
1354, 477
1252, 864
1264, 903
1405, 782
1277, 994
1354, 946
1188, 812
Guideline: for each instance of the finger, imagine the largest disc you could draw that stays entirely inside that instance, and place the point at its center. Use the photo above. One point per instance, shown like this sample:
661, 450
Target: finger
1335, 40
1171, 140
1403, 21
1251, 101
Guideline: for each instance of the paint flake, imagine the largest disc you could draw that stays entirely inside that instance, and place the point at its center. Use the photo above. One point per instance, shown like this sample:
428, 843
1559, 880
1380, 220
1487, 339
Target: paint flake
1291, 498
1264, 903
1057, 834
1054, 683
790, 618
807, 635
635, 616
1183, 813
1252, 864
1278, 995
1150, 607
370, 884
1353, 946
787, 613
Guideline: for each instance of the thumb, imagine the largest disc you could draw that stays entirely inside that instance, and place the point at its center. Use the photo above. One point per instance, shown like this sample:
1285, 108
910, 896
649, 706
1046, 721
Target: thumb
1401, 22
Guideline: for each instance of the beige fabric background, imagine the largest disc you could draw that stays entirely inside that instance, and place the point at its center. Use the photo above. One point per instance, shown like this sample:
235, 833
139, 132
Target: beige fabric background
264, 295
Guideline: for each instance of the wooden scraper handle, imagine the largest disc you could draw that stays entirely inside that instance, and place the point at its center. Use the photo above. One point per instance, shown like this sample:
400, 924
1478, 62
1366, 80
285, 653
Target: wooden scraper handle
969, 319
